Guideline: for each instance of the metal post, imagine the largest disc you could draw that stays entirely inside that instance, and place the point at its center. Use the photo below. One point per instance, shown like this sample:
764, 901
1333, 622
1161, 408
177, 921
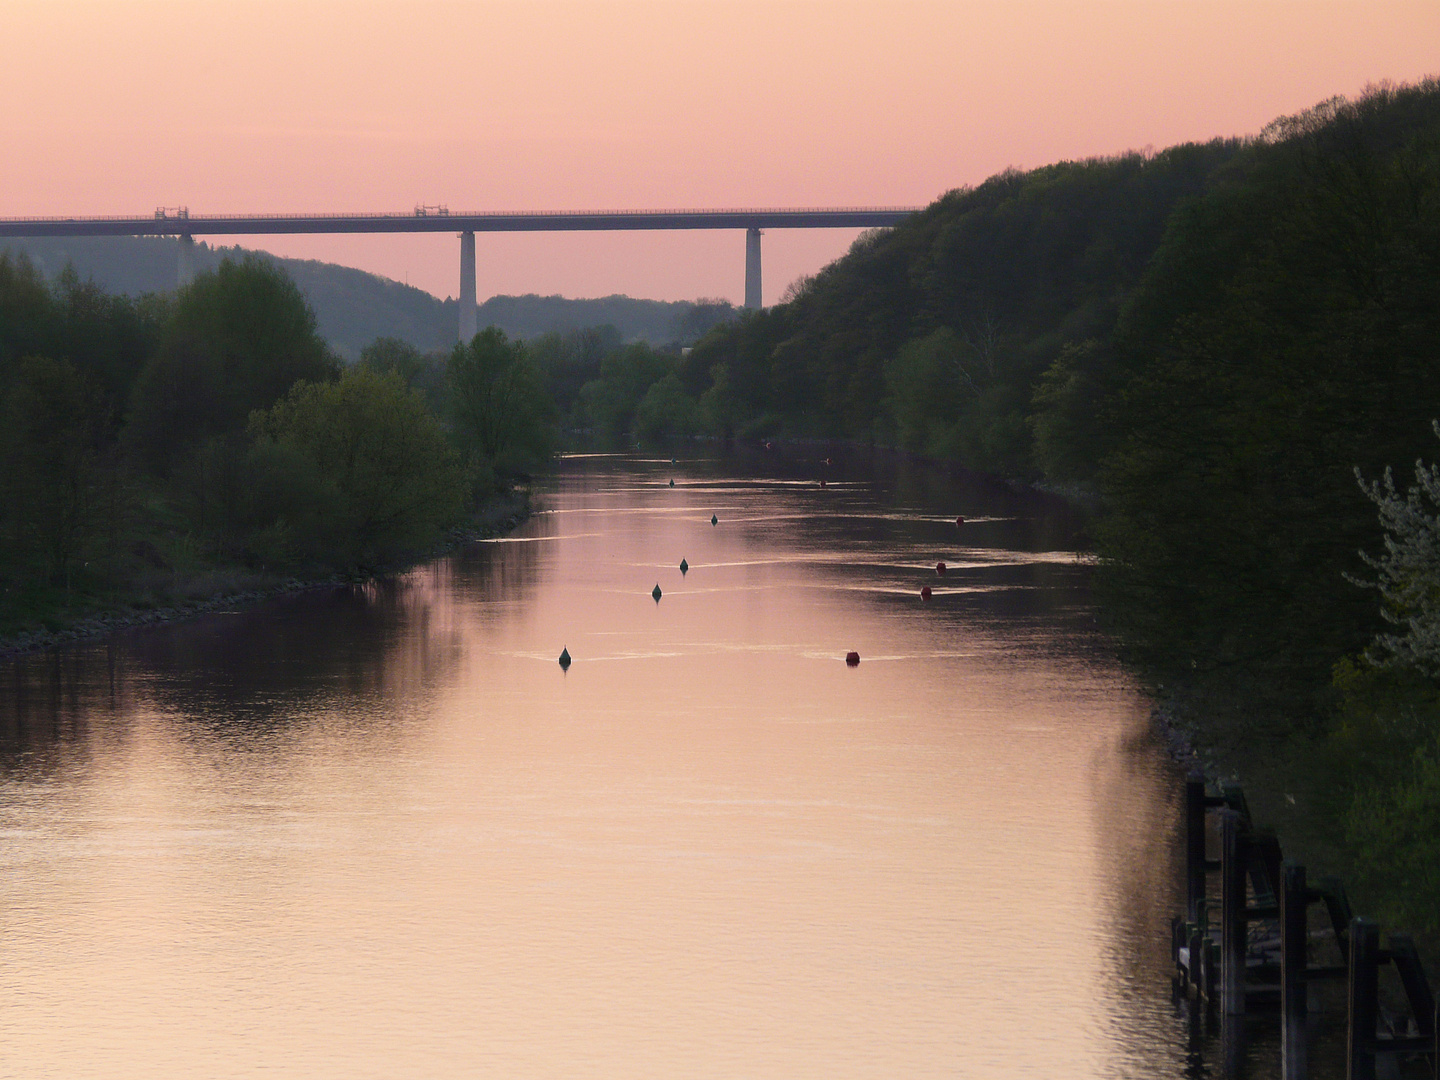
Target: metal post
1194, 844
1363, 999
468, 311
1233, 858
1294, 989
752, 269
185, 263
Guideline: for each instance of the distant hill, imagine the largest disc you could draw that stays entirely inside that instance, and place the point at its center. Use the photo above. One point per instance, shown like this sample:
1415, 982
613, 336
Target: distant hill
354, 307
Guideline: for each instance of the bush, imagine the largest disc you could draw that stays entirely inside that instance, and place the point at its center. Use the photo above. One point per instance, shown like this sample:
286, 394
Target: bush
1392, 830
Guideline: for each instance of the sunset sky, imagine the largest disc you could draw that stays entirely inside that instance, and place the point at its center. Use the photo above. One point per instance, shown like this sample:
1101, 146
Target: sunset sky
120, 106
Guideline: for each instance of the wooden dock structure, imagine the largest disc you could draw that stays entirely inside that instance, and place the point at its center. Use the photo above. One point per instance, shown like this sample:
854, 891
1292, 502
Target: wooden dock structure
1246, 946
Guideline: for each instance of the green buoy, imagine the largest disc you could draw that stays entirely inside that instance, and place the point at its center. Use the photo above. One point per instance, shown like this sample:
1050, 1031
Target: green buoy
684, 567
714, 520
672, 483
564, 659
655, 592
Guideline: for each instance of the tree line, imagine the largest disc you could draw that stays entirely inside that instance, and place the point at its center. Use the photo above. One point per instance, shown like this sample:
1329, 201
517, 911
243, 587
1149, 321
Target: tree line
150, 441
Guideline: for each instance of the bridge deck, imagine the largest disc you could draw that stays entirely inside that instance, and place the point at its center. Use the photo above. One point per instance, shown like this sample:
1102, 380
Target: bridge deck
440, 221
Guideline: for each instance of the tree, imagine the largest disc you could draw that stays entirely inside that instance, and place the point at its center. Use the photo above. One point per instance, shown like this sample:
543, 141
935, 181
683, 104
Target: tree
239, 337
701, 317
419, 371
925, 382
567, 361
609, 402
498, 404
666, 413
387, 354
372, 442
1409, 571
56, 427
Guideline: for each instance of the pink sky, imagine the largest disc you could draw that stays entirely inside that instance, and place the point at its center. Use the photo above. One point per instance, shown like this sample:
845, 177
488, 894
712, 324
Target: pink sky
119, 106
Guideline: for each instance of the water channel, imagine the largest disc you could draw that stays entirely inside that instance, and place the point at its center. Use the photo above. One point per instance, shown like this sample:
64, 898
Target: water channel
378, 832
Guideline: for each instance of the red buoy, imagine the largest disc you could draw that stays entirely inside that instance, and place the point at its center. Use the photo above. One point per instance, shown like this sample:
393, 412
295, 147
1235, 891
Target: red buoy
852, 658
822, 483
940, 568
959, 521
925, 593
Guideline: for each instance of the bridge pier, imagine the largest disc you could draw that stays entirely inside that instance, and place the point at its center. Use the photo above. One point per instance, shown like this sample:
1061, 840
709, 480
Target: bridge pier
752, 268
185, 263
468, 312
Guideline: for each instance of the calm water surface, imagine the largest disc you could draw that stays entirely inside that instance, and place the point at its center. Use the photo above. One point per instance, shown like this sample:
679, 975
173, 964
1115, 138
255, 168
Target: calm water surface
377, 832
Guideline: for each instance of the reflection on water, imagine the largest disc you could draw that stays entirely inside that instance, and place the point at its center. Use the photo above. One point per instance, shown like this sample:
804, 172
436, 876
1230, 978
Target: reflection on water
377, 831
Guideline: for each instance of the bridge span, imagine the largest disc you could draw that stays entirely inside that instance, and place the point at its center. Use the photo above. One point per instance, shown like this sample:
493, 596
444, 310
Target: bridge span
180, 222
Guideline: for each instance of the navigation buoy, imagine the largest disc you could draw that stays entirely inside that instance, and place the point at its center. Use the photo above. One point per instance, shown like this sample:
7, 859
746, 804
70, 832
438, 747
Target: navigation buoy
940, 568
672, 461
822, 483
714, 520
684, 567
925, 593
655, 592
852, 659
564, 658
827, 461
672, 483
959, 521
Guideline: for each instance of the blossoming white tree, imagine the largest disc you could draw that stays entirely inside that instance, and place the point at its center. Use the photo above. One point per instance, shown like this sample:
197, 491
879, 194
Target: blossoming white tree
1409, 571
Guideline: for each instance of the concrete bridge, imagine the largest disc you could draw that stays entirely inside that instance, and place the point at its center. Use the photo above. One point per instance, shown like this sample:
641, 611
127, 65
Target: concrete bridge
179, 222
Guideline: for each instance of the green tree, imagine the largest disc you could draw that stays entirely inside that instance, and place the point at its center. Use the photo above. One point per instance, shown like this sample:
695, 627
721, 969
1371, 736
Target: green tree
666, 413
925, 383
608, 404
719, 412
28, 316
419, 371
387, 354
567, 361
395, 479
56, 472
498, 405
238, 338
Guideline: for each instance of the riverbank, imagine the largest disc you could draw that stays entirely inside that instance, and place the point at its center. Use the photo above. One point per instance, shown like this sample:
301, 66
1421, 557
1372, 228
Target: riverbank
166, 595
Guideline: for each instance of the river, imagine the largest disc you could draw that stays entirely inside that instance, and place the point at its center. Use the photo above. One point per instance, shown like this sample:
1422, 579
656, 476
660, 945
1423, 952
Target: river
379, 832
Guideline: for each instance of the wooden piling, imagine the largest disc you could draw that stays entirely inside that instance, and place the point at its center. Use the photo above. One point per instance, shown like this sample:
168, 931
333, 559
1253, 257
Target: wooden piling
1294, 988
1417, 988
1364, 988
1234, 858
1194, 845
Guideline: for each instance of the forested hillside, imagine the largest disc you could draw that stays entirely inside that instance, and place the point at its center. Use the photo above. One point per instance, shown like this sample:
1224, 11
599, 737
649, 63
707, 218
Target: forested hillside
353, 308
932, 335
